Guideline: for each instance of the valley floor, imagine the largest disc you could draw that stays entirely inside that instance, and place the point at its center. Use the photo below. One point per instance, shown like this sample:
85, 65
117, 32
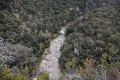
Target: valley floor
49, 62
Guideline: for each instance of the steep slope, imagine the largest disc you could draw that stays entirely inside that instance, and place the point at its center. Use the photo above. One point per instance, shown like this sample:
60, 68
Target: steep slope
96, 36
32, 24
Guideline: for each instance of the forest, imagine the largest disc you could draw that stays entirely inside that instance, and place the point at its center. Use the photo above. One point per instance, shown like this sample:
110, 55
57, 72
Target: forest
28, 26
92, 45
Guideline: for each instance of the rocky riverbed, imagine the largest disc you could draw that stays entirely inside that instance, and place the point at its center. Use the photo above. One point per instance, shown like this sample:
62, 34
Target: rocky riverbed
49, 62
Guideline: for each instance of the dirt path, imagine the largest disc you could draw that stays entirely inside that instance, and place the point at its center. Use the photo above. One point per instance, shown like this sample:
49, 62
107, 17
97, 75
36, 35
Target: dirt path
50, 63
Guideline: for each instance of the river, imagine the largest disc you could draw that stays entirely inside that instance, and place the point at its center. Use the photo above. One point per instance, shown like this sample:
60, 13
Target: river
50, 63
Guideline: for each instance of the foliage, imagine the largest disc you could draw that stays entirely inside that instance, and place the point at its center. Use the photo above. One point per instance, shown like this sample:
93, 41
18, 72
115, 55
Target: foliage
96, 36
28, 26
13, 73
44, 76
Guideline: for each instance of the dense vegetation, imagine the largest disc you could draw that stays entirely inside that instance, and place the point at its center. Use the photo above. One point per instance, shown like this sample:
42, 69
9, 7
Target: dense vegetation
26, 28
93, 42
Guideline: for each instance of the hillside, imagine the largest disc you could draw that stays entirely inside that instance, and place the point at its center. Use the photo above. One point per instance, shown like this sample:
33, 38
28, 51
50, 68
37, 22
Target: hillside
92, 47
28, 26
